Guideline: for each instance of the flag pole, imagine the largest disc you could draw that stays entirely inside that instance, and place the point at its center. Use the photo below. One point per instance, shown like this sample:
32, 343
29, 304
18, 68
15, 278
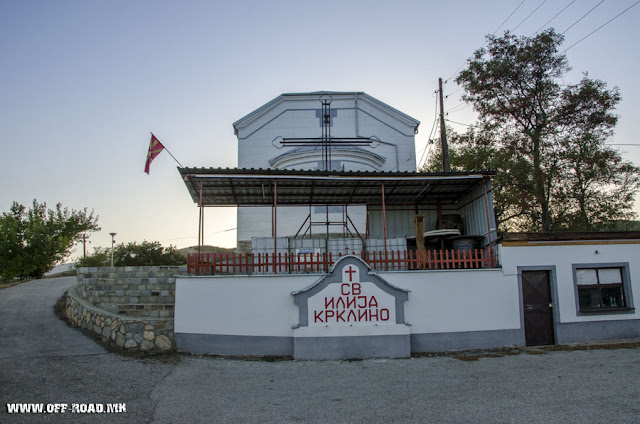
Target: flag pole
165, 148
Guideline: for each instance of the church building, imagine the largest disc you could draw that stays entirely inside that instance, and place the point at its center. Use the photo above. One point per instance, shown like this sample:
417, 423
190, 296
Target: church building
334, 131
345, 251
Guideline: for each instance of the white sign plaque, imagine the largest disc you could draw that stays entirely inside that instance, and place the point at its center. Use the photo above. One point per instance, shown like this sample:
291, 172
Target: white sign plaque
351, 302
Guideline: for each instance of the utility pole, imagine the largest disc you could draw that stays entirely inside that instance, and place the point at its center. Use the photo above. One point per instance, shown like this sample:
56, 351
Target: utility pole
84, 245
443, 132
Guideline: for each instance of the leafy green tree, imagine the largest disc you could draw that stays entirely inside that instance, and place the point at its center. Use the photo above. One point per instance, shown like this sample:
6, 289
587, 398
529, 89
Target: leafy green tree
134, 254
33, 240
512, 198
101, 256
147, 254
545, 138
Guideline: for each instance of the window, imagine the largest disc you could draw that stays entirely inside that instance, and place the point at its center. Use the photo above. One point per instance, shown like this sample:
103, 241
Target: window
602, 288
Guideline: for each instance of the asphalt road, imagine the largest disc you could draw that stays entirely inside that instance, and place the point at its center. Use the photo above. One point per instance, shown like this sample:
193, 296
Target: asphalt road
42, 360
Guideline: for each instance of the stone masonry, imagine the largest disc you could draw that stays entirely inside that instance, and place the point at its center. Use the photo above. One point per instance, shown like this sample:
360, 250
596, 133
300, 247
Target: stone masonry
129, 307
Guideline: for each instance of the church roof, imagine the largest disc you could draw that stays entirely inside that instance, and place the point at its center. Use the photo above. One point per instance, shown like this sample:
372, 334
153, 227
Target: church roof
361, 96
259, 187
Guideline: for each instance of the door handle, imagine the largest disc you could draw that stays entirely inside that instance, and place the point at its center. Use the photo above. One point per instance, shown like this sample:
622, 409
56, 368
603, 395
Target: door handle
550, 305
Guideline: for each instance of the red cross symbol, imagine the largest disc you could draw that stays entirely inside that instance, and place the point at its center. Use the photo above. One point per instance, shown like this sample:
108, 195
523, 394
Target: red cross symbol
350, 271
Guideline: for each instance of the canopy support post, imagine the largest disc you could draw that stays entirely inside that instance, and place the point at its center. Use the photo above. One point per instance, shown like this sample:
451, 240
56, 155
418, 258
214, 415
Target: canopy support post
275, 224
384, 225
200, 230
486, 209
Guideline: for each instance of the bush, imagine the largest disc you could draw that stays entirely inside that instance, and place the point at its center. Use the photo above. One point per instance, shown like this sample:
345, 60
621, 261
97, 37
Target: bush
134, 254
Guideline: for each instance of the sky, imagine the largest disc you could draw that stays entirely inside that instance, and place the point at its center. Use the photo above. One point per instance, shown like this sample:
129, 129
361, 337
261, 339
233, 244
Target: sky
83, 83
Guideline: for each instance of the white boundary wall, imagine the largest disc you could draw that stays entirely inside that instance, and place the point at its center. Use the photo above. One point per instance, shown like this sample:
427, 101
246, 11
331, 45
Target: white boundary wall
446, 310
447, 302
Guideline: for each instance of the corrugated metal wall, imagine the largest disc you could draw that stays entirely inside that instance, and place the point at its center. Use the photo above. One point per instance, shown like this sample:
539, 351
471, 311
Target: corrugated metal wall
262, 245
471, 208
400, 225
473, 211
400, 222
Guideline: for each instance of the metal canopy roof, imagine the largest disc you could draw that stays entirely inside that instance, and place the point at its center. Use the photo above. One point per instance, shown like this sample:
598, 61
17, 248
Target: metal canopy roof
256, 187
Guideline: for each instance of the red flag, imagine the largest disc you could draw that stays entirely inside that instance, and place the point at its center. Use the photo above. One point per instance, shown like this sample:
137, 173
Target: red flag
155, 148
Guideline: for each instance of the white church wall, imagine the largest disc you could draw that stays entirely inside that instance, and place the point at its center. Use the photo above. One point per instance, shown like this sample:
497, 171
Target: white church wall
296, 116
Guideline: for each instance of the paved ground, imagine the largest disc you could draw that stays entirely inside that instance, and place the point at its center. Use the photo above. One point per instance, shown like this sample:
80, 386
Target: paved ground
42, 360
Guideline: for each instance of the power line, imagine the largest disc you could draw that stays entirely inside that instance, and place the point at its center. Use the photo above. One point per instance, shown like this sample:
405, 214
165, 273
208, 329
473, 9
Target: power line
451, 94
534, 11
556, 15
435, 120
459, 123
485, 42
457, 107
508, 17
597, 29
583, 16
430, 142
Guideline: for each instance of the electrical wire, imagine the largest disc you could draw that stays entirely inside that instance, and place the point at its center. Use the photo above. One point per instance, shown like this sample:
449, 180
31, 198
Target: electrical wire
457, 107
452, 93
436, 127
556, 15
508, 17
435, 120
459, 123
528, 16
583, 16
485, 42
601, 26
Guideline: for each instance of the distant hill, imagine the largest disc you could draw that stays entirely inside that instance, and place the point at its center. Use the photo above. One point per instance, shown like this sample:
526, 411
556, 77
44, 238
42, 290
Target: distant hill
206, 248
59, 269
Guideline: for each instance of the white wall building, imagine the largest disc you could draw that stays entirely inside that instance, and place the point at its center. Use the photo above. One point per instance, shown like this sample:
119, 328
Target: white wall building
351, 115
550, 288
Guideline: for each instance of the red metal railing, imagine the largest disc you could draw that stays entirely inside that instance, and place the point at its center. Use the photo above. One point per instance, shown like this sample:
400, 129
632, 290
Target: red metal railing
291, 263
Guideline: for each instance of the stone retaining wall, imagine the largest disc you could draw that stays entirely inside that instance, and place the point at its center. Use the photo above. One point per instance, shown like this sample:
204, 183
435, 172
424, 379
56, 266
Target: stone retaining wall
147, 291
129, 307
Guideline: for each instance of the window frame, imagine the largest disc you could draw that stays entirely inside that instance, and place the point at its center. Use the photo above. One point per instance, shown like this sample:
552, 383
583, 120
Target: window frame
626, 288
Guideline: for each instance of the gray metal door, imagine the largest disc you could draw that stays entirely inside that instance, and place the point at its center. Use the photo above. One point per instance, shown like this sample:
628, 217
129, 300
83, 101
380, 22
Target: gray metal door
537, 306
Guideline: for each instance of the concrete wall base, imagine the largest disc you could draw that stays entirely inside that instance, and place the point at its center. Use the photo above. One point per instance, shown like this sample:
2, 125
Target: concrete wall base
590, 331
466, 340
221, 344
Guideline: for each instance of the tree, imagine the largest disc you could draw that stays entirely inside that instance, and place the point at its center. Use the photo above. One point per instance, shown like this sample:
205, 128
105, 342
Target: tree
33, 240
477, 150
134, 254
101, 256
546, 138
147, 254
